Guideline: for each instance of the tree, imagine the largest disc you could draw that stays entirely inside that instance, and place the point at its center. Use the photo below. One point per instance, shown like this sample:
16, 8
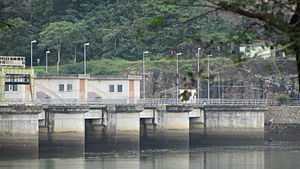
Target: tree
282, 17
63, 33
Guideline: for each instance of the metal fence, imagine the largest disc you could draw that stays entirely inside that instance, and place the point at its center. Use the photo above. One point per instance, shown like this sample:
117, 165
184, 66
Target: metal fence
152, 102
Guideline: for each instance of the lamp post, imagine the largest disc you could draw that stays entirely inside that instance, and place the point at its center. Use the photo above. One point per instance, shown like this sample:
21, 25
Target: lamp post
177, 76
84, 53
208, 81
198, 74
144, 78
47, 52
31, 52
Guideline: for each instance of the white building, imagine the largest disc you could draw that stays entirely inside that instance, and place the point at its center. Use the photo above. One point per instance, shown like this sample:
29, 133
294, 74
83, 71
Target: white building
73, 88
256, 50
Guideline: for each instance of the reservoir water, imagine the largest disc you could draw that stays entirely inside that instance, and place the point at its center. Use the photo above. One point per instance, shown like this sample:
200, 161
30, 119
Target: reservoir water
275, 155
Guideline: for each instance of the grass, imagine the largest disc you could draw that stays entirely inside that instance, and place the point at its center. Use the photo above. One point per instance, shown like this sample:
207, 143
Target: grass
121, 66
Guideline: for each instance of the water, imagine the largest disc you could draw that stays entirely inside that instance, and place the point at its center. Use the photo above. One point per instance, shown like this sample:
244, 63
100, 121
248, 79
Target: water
279, 155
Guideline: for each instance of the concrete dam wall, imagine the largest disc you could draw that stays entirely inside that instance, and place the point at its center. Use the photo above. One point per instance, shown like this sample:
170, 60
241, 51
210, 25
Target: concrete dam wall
126, 127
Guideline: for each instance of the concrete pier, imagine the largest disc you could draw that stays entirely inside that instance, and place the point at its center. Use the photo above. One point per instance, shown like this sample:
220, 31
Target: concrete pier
19, 130
64, 128
168, 129
123, 127
233, 124
196, 125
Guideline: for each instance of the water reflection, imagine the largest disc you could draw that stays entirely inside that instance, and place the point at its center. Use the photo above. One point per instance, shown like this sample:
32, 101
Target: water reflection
227, 160
266, 157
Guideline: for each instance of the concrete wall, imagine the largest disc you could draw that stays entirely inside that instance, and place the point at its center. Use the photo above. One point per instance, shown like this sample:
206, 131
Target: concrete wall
19, 130
232, 124
123, 127
49, 88
65, 127
168, 129
100, 89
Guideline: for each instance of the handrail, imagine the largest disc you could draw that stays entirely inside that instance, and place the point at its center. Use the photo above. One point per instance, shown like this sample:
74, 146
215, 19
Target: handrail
151, 102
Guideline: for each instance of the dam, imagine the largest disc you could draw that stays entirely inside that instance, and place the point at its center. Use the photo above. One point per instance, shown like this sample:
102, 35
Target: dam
28, 128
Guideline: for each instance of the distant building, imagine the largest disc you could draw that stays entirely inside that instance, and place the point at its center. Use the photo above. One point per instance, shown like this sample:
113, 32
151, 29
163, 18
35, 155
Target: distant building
80, 88
19, 84
15, 80
256, 50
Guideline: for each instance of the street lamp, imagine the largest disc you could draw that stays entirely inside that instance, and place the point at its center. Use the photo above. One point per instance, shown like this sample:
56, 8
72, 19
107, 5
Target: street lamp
144, 78
198, 73
177, 76
208, 81
47, 52
31, 51
84, 53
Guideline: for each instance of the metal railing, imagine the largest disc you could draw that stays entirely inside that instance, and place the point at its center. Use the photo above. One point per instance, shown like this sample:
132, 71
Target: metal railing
146, 102
154, 102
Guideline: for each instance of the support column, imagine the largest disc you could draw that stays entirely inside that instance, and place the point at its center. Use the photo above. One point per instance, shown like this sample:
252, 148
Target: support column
123, 127
65, 128
196, 126
171, 128
19, 130
225, 124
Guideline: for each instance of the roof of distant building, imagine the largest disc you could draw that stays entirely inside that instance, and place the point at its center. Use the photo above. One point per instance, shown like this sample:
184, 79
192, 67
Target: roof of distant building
14, 61
90, 77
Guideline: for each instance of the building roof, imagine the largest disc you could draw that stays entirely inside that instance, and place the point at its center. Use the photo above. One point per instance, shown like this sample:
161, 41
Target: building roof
90, 77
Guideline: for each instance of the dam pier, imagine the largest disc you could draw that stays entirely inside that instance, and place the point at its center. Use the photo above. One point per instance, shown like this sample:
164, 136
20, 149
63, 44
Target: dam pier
28, 128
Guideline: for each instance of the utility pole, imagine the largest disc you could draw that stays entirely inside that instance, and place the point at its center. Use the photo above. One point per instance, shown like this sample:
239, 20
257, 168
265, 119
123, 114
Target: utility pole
198, 74
144, 77
219, 86
47, 52
84, 55
31, 53
177, 77
208, 81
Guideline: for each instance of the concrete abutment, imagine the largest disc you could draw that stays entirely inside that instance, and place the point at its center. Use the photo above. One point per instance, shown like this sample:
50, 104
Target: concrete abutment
64, 128
19, 130
233, 124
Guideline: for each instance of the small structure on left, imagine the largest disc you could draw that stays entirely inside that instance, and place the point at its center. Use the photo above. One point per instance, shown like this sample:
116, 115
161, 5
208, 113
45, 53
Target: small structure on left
15, 80
19, 128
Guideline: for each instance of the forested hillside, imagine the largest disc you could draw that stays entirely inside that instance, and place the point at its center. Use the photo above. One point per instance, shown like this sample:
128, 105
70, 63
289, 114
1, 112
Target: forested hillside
115, 28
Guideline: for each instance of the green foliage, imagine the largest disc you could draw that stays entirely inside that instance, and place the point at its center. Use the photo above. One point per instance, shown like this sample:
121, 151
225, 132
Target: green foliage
120, 29
282, 99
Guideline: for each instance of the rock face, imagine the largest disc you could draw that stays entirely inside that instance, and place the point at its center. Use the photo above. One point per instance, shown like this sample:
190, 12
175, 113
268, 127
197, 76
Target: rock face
282, 123
283, 115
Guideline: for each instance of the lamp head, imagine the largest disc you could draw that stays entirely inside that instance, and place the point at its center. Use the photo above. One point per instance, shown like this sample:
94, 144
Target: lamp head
146, 52
34, 41
48, 52
178, 54
87, 44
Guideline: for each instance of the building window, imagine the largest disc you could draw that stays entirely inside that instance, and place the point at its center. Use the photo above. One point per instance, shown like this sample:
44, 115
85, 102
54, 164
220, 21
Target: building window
120, 88
6, 87
13, 88
111, 88
61, 87
69, 87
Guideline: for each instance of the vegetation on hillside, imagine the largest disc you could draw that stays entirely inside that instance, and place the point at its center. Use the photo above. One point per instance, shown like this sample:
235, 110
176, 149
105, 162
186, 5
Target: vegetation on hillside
122, 29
